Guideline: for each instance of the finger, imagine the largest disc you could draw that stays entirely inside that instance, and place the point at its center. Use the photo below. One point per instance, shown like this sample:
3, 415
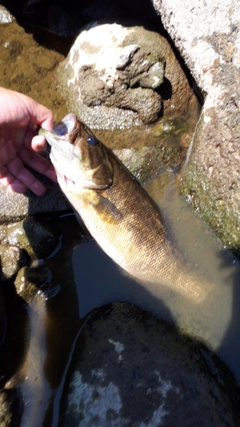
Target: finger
9, 181
16, 169
38, 143
38, 163
8, 152
40, 115
34, 141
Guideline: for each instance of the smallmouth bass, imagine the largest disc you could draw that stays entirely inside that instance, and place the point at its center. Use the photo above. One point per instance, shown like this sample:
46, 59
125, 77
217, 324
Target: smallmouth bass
116, 210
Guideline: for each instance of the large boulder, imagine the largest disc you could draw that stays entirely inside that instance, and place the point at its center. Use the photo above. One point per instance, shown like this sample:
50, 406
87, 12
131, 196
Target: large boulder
208, 37
130, 369
117, 76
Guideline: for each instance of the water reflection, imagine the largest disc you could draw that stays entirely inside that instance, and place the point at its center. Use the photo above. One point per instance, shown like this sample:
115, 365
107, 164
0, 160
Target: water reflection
100, 281
35, 388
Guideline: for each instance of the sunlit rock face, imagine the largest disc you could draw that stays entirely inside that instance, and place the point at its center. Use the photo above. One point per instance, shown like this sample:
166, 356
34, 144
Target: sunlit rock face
208, 37
118, 77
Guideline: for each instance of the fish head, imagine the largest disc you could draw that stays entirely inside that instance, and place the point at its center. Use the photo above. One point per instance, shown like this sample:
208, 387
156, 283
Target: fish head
79, 158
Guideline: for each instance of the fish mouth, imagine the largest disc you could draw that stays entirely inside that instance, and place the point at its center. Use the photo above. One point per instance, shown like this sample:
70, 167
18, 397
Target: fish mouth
60, 131
66, 125
61, 138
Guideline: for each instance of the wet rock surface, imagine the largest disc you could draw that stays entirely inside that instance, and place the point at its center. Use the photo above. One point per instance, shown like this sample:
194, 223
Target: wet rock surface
3, 319
116, 76
10, 408
148, 162
11, 259
24, 242
130, 369
36, 237
208, 38
30, 280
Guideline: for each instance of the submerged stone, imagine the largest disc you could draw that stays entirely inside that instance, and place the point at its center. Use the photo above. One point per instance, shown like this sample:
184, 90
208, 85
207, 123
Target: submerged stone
128, 368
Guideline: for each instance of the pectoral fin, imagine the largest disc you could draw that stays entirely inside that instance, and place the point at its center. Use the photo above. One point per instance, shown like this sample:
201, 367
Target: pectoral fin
105, 209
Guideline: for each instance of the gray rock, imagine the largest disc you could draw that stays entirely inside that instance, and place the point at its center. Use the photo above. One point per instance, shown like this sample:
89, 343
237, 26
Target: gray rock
111, 73
208, 37
130, 369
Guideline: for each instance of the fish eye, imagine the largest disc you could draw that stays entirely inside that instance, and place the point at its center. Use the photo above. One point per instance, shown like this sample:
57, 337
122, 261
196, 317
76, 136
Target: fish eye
91, 140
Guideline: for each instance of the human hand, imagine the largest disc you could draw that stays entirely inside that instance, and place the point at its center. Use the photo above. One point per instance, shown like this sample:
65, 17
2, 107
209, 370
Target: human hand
20, 144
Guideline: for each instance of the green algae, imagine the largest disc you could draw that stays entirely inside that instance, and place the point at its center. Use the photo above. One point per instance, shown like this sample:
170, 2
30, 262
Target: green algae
221, 216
